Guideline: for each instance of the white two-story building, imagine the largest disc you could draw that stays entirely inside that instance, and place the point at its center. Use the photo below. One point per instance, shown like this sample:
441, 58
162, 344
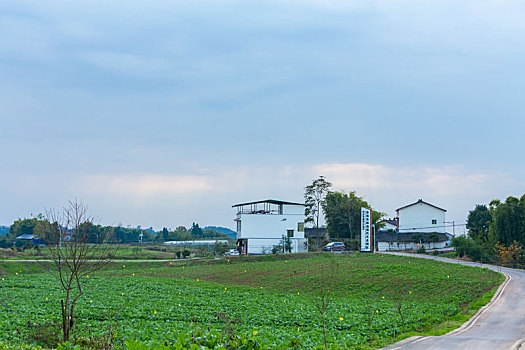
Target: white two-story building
261, 225
421, 217
418, 223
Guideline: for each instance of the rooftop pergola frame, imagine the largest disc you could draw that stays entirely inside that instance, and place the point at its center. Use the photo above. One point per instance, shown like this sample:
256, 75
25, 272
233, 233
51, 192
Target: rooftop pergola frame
269, 206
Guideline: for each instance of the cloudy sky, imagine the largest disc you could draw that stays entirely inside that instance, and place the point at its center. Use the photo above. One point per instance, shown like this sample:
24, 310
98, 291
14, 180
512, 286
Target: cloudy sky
167, 112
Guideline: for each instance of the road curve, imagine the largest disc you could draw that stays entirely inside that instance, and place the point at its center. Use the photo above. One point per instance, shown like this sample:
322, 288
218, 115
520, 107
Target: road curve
498, 325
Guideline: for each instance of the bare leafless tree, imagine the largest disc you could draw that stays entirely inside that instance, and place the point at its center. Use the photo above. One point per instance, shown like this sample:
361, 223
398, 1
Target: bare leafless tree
325, 292
73, 255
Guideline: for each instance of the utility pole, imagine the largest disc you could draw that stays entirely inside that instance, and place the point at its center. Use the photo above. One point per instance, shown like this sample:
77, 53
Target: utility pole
453, 226
374, 238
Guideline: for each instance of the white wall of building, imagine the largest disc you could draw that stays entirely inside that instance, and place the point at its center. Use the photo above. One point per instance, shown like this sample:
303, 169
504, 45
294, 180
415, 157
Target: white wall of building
264, 231
389, 226
183, 243
293, 210
389, 246
422, 217
299, 245
264, 246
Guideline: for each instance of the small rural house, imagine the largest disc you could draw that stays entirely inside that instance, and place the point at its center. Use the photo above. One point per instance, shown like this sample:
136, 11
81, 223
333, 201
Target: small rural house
262, 224
26, 237
387, 241
419, 223
390, 224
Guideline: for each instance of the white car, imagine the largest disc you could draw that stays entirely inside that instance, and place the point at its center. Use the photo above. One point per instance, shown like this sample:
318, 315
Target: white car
232, 252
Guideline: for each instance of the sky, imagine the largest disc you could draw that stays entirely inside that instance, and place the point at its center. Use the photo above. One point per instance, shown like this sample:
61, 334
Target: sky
166, 113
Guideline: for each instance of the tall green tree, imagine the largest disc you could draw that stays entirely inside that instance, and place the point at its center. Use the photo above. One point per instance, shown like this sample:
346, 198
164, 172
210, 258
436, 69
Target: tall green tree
343, 214
196, 231
478, 223
164, 234
314, 196
508, 220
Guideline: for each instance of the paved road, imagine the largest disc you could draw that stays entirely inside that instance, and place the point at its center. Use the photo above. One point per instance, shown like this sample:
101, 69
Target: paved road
499, 325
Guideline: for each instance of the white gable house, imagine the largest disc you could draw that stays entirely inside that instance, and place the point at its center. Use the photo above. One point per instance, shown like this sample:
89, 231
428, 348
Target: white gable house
262, 224
419, 224
421, 217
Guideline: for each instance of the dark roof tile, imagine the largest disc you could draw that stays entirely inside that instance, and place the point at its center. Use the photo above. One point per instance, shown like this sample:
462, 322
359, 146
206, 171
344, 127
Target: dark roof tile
420, 202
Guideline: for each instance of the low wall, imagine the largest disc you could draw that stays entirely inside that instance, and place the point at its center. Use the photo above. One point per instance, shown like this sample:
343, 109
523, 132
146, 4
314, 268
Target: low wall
389, 246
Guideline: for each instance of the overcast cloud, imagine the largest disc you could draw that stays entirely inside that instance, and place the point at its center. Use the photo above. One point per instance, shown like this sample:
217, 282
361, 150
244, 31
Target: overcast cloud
164, 113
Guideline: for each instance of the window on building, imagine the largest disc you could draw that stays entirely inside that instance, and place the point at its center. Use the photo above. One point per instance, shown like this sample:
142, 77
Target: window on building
434, 222
238, 226
300, 227
289, 233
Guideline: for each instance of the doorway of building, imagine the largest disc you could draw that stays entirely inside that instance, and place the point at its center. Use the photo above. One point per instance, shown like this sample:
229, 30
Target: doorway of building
242, 246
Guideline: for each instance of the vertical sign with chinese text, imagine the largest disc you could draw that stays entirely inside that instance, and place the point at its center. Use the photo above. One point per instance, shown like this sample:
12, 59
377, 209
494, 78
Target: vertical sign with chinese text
366, 230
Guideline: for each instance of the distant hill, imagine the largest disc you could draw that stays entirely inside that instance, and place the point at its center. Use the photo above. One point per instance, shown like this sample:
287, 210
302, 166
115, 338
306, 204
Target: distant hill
4, 230
228, 232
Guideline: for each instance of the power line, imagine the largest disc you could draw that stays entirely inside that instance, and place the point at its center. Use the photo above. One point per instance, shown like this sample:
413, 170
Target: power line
441, 226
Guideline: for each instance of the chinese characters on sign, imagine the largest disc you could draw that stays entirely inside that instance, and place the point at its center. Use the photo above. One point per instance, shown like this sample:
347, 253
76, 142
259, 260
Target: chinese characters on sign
366, 236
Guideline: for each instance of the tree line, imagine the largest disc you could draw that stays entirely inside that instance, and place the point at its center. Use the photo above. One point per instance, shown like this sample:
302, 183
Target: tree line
39, 227
495, 231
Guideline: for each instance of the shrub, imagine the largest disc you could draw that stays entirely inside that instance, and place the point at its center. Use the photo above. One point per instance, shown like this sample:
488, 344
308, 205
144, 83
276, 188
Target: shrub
473, 249
417, 237
220, 248
352, 244
461, 244
509, 255
44, 334
315, 244
284, 246
185, 253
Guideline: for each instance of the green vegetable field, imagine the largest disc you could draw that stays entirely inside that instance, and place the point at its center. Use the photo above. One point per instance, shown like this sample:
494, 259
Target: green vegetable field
271, 300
